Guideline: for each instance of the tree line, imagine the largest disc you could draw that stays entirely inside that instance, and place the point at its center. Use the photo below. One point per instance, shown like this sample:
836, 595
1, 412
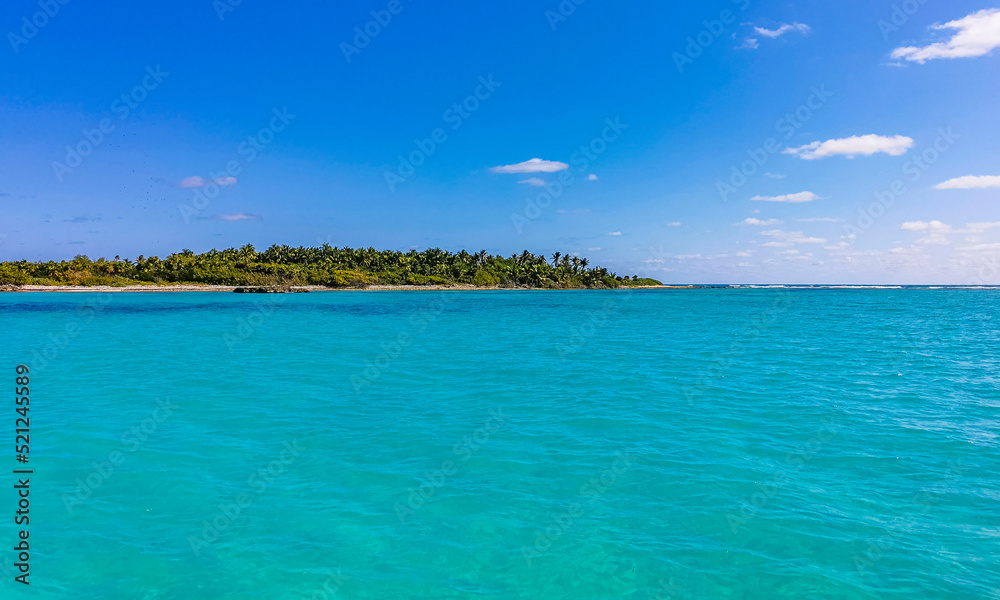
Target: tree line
324, 266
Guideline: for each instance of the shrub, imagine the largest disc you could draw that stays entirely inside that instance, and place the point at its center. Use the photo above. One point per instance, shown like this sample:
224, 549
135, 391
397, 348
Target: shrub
349, 279
642, 281
484, 278
11, 274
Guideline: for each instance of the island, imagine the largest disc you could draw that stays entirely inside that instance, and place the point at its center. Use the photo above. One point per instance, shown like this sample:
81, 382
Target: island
287, 269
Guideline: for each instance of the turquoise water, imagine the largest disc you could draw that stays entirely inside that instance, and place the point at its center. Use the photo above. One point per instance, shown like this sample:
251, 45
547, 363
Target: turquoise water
687, 444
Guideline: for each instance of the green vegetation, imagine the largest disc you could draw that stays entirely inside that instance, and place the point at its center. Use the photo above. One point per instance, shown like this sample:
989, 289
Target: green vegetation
325, 266
641, 282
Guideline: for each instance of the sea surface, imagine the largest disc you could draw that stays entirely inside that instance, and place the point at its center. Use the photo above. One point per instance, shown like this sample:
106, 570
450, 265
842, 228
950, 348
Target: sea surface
720, 443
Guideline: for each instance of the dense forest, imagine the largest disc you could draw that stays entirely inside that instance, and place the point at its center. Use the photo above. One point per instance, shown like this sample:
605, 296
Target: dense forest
324, 266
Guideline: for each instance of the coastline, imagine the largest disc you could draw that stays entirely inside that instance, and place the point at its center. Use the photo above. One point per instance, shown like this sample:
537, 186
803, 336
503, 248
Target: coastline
159, 289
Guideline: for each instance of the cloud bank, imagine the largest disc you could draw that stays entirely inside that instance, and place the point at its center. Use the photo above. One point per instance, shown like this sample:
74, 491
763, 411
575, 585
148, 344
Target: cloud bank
976, 35
535, 165
858, 145
970, 182
790, 198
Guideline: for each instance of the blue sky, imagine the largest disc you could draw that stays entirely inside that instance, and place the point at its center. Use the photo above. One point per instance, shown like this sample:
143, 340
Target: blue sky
229, 124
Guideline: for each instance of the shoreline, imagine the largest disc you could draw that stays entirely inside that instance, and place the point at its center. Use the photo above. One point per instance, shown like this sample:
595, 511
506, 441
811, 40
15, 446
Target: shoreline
189, 288
159, 289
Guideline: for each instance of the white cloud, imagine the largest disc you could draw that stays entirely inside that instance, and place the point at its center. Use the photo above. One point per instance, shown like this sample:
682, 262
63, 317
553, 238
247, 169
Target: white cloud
237, 217
615, 233
775, 175
674, 224
595, 249
592, 177
535, 165
976, 35
863, 145
749, 44
970, 182
937, 232
758, 222
533, 181
792, 198
981, 227
927, 226
191, 182
786, 239
782, 30
198, 182
980, 247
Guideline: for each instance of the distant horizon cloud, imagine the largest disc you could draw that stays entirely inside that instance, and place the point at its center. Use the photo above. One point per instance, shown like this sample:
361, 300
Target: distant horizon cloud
790, 198
782, 30
976, 34
750, 221
615, 233
924, 225
675, 224
236, 217
970, 182
981, 227
195, 182
535, 165
787, 239
858, 145
535, 181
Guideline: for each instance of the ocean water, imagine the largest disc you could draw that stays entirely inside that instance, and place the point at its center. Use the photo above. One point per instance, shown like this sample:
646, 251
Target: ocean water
725, 444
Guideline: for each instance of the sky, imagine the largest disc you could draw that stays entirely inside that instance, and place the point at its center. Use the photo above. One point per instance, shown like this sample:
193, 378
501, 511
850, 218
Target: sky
726, 141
